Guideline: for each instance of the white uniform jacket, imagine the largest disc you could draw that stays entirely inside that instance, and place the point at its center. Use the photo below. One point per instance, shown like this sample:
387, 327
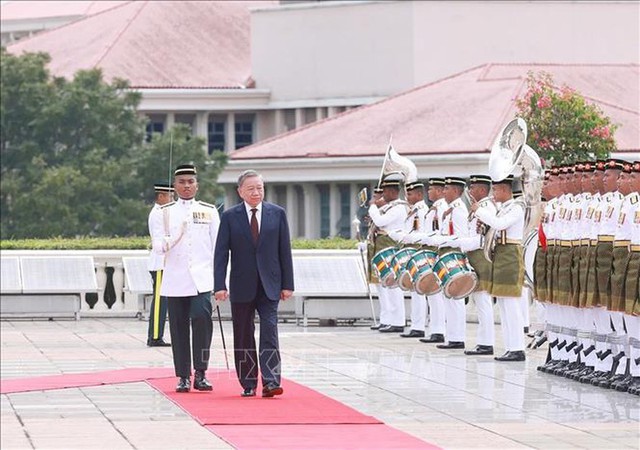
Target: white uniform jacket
509, 218
185, 233
156, 260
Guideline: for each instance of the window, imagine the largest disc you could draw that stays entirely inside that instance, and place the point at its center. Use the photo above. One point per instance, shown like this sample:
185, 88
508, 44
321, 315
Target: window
344, 222
325, 223
155, 125
244, 130
216, 134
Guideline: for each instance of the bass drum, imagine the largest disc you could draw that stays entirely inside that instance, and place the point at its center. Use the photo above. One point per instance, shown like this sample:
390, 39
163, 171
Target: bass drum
420, 268
383, 266
457, 277
530, 247
399, 261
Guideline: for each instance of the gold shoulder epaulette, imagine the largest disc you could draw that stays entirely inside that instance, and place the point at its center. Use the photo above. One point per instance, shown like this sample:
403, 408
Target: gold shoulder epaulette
207, 204
168, 204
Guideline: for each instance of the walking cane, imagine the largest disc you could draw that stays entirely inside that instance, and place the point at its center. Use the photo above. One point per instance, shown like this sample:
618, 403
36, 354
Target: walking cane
356, 224
224, 344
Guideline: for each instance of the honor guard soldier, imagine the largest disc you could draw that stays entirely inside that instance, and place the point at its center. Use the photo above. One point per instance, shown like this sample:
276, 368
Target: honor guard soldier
508, 267
185, 232
479, 189
158, 311
388, 213
415, 222
632, 280
432, 221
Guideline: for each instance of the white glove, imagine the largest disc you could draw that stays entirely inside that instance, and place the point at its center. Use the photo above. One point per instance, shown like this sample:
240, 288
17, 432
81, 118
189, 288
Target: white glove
397, 235
410, 238
362, 247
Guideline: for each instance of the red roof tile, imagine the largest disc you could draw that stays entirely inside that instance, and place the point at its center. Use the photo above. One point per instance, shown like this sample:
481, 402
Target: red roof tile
155, 44
459, 114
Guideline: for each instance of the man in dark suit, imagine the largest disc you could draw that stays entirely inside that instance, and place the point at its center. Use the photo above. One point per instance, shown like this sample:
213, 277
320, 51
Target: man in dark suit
256, 234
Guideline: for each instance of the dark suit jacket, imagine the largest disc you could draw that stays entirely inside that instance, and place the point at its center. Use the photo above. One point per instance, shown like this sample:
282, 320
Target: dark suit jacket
270, 259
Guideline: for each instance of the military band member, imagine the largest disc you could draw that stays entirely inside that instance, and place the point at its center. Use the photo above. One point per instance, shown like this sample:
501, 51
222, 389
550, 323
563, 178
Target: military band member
479, 189
508, 267
158, 310
415, 221
454, 224
185, 232
388, 213
524, 298
432, 222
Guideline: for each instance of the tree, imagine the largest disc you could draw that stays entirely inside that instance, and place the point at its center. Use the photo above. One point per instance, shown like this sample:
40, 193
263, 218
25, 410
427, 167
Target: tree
74, 161
563, 126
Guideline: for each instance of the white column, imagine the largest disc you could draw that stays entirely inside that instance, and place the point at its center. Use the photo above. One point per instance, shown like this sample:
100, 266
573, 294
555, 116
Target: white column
353, 209
332, 111
299, 117
292, 210
202, 119
169, 121
321, 113
229, 196
230, 133
278, 122
334, 209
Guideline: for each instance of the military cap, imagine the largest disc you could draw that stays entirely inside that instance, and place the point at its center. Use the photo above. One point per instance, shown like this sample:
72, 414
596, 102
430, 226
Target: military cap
508, 180
626, 167
392, 180
600, 165
163, 186
555, 171
457, 181
414, 185
185, 169
482, 179
436, 181
517, 194
588, 166
614, 164
636, 166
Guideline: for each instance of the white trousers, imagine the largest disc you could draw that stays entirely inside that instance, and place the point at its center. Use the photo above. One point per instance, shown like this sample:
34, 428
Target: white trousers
633, 328
395, 306
512, 327
383, 298
524, 305
486, 326
455, 318
436, 313
418, 311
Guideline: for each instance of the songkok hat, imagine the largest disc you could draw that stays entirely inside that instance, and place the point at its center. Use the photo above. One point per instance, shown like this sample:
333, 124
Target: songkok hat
627, 167
636, 166
547, 174
508, 180
483, 179
392, 180
615, 164
414, 185
566, 169
185, 169
601, 165
436, 181
163, 186
457, 181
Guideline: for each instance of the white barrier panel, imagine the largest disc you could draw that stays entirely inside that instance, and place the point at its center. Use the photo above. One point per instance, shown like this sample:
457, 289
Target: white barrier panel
10, 279
137, 276
58, 275
328, 276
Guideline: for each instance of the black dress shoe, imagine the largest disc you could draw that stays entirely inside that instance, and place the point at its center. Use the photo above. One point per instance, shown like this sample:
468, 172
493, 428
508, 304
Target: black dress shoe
451, 345
200, 383
248, 392
377, 327
184, 385
433, 339
391, 329
480, 350
157, 343
271, 390
511, 356
413, 334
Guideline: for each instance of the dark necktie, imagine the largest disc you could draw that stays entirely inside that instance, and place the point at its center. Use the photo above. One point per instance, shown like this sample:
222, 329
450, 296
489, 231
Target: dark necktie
254, 225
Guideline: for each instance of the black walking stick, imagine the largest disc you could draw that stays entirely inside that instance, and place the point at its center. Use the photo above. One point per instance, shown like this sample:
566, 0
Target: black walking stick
224, 344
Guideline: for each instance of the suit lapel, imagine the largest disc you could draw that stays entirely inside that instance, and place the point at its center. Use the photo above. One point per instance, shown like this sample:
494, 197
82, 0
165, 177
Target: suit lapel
243, 222
265, 220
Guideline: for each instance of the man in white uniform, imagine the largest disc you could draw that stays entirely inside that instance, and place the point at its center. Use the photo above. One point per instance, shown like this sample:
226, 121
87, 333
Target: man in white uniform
185, 233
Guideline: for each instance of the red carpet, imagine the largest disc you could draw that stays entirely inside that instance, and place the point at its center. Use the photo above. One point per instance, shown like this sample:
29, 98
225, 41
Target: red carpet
318, 437
75, 380
224, 406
